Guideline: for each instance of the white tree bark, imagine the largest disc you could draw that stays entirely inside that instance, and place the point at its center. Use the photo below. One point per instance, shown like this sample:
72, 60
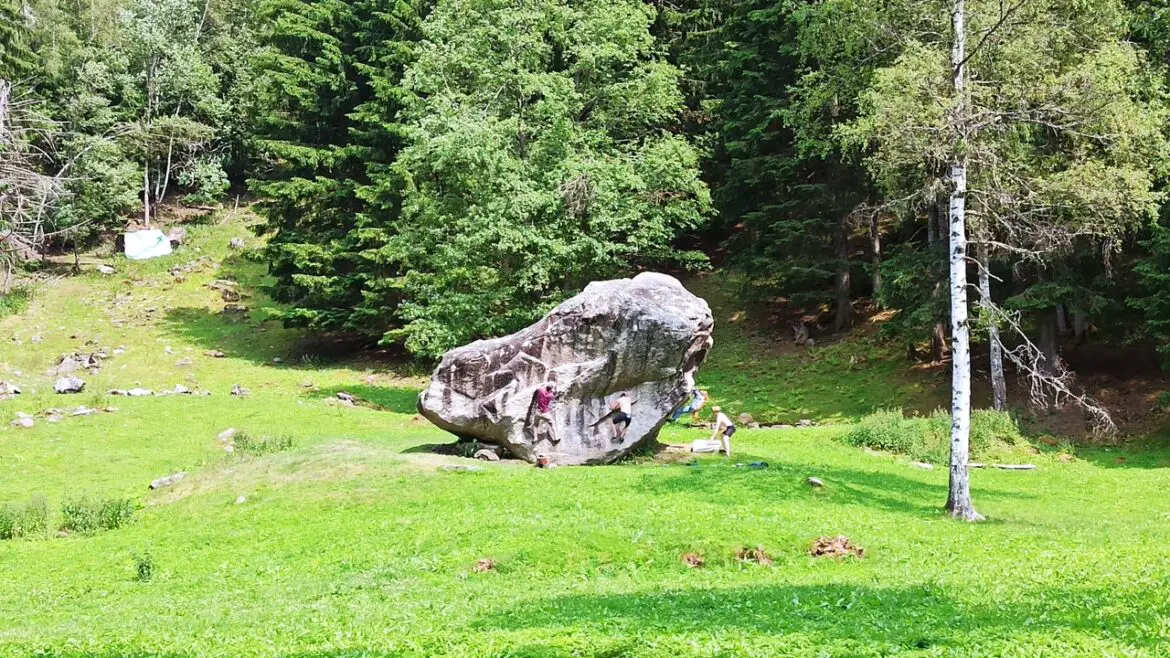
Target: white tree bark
875, 239
998, 385
959, 490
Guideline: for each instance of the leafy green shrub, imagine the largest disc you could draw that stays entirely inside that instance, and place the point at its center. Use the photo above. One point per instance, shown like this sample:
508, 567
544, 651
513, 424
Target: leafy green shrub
87, 516
928, 439
246, 444
205, 179
28, 520
15, 300
143, 567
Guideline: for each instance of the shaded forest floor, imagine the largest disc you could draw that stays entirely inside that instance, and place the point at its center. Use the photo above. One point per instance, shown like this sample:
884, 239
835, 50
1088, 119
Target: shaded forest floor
348, 538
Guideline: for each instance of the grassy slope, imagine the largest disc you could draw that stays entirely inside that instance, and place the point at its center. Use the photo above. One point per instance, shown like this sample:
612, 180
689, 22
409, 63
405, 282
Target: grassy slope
831, 383
354, 543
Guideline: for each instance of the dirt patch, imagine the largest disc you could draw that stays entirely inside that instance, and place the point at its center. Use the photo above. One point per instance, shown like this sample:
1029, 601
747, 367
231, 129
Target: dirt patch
757, 555
835, 547
484, 565
693, 560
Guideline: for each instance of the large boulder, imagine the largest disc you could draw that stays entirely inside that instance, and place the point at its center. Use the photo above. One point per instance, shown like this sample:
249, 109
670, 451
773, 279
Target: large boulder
645, 336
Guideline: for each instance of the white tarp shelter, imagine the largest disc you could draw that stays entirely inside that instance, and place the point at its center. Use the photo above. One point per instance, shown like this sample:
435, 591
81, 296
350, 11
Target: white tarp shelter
150, 243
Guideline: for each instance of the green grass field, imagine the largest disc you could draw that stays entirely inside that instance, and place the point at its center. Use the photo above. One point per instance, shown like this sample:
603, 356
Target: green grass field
355, 542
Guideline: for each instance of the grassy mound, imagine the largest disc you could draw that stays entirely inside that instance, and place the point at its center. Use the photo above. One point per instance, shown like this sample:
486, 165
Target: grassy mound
343, 536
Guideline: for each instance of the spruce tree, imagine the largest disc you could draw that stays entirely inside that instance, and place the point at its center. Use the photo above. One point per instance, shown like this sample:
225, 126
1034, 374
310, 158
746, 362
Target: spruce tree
328, 95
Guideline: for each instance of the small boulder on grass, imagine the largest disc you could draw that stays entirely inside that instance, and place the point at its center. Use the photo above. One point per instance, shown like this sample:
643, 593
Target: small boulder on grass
484, 565
693, 560
835, 547
756, 555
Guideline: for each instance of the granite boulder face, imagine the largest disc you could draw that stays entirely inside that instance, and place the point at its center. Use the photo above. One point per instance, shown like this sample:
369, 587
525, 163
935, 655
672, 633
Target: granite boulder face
645, 336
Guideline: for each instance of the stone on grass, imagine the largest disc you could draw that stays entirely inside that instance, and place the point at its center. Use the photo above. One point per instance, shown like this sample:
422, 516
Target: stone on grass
241, 500
69, 385
816, 483
646, 336
240, 391
236, 243
23, 421
215, 354
804, 422
184, 362
83, 411
745, 419
168, 480
226, 435
177, 236
460, 468
179, 389
487, 455
105, 269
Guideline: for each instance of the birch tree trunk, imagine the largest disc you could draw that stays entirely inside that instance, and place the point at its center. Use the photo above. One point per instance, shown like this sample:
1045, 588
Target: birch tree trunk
875, 239
844, 284
959, 490
998, 385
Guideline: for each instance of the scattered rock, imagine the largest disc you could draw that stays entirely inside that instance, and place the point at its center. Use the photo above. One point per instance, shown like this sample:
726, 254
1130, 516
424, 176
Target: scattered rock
645, 335
168, 350
835, 547
179, 389
277, 360
230, 295
74, 362
177, 236
346, 398
134, 392
236, 243
756, 555
241, 500
168, 480
229, 448
54, 418
484, 565
69, 385
226, 435
753, 426
923, 465
816, 483
487, 455
105, 269
693, 560
184, 362
215, 354
119, 350
744, 419
36, 339
240, 391
110, 410
8, 390
785, 427
24, 421
234, 313
460, 468
83, 411
804, 422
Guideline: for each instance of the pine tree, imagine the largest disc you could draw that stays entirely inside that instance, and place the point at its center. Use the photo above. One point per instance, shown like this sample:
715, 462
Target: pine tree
17, 61
328, 83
